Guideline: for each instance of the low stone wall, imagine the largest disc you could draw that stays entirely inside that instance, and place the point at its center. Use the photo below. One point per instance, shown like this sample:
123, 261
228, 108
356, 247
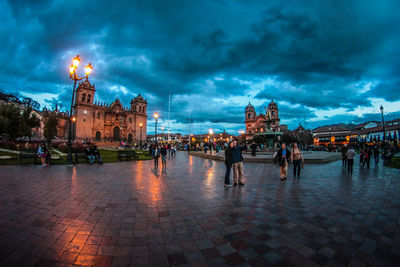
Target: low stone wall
312, 157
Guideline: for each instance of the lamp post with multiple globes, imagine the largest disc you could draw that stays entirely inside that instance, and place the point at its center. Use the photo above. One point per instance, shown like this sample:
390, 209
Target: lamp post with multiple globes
383, 130
74, 76
156, 117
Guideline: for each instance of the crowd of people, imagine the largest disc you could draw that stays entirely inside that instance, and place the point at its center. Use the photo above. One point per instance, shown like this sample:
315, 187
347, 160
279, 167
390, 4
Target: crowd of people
366, 154
234, 159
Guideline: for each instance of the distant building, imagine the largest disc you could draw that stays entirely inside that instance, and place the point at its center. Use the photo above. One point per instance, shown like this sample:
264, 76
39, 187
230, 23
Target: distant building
99, 121
264, 127
261, 123
331, 134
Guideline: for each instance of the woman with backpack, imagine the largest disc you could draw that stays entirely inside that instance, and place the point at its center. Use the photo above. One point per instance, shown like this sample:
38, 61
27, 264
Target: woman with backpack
297, 159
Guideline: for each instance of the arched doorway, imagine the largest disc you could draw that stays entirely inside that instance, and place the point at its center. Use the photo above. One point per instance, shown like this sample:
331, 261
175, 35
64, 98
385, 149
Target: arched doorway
116, 133
98, 136
130, 138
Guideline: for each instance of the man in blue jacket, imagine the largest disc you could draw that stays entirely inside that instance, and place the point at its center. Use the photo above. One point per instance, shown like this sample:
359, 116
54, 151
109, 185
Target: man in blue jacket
237, 163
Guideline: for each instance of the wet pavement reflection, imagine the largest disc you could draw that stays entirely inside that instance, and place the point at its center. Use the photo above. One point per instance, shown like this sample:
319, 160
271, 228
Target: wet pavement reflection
136, 214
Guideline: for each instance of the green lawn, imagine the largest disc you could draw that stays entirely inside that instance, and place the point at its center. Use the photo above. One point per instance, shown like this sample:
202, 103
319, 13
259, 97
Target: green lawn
108, 156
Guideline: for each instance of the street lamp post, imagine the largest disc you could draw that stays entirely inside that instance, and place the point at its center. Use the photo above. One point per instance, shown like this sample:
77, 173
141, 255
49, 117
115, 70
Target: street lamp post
383, 130
141, 126
156, 117
74, 76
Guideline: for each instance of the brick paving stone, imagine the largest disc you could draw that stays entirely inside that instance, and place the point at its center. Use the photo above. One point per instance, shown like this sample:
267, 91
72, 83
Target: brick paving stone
132, 214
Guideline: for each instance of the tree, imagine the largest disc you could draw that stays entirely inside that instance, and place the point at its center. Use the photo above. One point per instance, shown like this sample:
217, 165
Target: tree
50, 126
30, 121
28, 102
11, 121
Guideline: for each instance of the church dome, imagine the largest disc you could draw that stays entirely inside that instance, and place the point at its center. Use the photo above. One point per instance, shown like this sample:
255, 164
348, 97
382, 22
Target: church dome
116, 103
250, 107
139, 98
272, 104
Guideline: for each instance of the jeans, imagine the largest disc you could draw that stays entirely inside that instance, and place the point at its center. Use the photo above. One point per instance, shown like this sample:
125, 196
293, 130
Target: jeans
297, 167
350, 163
164, 159
238, 172
366, 160
90, 159
344, 162
376, 156
227, 174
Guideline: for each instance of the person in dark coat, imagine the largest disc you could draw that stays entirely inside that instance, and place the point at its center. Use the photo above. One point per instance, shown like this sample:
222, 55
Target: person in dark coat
163, 152
376, 155
253, 149
283, 158
228, 163
344, 156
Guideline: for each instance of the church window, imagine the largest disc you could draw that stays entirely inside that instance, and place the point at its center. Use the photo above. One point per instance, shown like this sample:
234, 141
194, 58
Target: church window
83, 97
130, 120
88, 98
249, 131
249, 115
273, 113
98, 115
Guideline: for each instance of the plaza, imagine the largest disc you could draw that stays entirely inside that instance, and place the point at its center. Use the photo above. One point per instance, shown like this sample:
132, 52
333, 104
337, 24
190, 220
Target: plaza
132, 214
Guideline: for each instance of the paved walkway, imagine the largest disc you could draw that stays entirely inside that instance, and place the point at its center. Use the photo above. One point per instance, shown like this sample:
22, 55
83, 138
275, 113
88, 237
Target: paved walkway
129, 213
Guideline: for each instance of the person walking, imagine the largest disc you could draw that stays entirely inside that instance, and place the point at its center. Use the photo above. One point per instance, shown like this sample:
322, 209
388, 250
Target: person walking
344, 156
228, 164
367, 156
253, 148
297, 159
350, 160
163, 153
156, 154
376, 155
362, 156
237, 163
283, 157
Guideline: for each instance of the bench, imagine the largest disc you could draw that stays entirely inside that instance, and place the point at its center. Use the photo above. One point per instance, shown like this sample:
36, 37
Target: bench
127, 154
27, 154
79, 155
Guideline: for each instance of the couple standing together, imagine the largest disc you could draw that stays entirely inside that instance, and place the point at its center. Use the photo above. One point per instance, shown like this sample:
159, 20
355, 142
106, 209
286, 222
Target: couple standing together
284, 156
234, 158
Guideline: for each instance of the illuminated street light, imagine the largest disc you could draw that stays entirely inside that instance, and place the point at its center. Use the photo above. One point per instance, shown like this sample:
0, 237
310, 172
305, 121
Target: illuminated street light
72, 75
141, 126
156, 117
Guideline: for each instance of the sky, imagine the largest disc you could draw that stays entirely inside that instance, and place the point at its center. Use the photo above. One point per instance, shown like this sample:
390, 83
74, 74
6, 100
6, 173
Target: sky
323, 62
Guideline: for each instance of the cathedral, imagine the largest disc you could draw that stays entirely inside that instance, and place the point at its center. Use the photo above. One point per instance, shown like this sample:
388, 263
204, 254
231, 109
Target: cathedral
267, 123
109, 122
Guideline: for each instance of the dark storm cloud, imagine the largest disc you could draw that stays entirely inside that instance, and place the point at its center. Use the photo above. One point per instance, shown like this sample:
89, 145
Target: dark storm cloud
318, 52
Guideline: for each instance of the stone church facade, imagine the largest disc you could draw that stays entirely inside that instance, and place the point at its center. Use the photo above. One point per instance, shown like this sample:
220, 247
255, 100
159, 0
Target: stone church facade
108, 122
262, 123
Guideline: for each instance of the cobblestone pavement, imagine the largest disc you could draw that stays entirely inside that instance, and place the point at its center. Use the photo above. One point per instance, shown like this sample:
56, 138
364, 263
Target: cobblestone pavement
129, 213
